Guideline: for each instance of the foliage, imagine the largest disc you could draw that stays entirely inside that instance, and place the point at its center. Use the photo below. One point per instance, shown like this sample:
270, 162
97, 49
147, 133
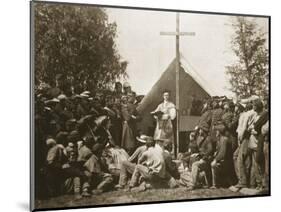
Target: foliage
77, 42
249, 75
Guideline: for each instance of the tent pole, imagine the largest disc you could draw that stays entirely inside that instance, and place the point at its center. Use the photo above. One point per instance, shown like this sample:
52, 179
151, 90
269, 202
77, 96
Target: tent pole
177, 80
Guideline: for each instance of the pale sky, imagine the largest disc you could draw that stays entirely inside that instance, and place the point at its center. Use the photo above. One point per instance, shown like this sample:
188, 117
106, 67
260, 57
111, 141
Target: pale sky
149, 53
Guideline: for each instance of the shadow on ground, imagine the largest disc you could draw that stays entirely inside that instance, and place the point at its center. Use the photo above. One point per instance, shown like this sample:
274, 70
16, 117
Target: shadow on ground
118, 197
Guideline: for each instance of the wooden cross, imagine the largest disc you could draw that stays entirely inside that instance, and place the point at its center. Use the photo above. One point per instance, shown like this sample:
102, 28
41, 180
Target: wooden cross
177, 34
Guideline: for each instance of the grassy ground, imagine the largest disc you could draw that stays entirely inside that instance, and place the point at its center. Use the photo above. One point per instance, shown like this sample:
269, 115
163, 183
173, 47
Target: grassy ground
117, 197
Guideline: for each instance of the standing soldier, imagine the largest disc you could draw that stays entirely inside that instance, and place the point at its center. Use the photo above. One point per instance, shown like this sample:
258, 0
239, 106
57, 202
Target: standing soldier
130, 117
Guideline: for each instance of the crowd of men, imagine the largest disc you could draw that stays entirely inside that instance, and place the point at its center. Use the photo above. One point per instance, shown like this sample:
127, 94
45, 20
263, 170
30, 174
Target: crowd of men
87, 143
230, 145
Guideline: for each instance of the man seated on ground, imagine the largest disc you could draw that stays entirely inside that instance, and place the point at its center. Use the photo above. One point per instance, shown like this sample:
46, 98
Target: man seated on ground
84, 150
223, 159
53, 170
151, 166
202, 166
113, 154
128, 167
101, 180
74, 174
171, 167
191, 155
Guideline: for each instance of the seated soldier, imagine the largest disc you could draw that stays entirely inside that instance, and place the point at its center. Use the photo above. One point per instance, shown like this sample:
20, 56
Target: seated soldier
171, 167
192, 153
74, 174
206, 152
54, 161
151, 166
222, 158
114, 156
84, 150
104, 136
89, 156
101, 180
128, 167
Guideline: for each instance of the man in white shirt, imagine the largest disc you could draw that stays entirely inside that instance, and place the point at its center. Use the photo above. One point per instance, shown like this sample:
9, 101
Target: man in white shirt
128, 167
244, 133
151, 165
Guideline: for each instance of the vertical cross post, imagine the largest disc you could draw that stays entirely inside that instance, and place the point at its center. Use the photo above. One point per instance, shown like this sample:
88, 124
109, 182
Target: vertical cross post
177, 34
177, 81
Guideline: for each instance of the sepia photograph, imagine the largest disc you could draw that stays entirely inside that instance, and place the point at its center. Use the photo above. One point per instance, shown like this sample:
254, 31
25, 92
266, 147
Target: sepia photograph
141, 105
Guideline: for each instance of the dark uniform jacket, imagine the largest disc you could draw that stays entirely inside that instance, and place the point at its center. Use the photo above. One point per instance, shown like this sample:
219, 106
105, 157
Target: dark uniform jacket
223, 150
217, 116
205, 119
206, 149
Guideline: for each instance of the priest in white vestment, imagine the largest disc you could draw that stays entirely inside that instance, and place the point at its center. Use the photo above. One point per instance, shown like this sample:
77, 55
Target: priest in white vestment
164, 114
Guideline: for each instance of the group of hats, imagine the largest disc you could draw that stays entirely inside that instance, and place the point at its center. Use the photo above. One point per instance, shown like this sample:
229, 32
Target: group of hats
252, 99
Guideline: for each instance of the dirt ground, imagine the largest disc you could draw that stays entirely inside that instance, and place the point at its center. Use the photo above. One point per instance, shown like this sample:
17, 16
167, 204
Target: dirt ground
118, 197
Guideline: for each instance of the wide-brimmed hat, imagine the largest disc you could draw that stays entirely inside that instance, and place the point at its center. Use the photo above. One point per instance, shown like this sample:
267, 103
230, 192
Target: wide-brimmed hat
250, 99
83, 95
142, 138
50, 141
71, 121
145, 139
87, 92
100, 120
61, 97
126, 85
109, 111
47, 108
85, 119
54, 100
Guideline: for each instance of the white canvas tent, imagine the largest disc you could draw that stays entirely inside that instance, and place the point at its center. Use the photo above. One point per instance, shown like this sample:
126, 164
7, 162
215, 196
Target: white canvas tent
192, 85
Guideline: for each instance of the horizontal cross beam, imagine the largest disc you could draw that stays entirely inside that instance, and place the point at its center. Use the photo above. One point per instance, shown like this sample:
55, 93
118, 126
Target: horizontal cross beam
180, 33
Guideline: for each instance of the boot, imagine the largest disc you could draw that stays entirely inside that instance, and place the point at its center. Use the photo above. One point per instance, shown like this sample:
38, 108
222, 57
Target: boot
97, 191
85, 193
